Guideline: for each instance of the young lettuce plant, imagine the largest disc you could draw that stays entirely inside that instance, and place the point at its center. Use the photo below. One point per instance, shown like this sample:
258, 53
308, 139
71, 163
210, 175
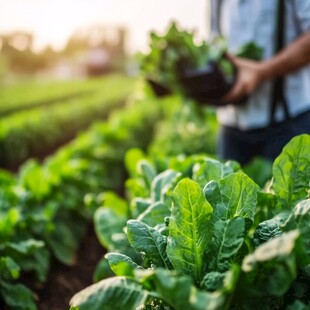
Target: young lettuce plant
191, 227
212, 254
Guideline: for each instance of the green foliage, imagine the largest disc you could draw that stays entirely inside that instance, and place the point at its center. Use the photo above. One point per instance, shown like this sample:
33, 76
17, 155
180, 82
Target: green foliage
101, 296
235, 195
186, 129
213, 253
251, 51
21, 96
291, 171
259, 170
42, 211
148, 241
178, 50
30, 132
227, 239
188, 229
171, 53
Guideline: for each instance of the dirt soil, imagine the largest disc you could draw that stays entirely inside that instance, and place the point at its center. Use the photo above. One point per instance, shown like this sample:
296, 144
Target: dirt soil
63, 282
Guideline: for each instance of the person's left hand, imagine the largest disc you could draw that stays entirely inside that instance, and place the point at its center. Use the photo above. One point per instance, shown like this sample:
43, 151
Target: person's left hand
250, 75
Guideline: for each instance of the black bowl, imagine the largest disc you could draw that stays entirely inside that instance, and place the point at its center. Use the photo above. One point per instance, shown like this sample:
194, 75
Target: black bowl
159, 89
207, 85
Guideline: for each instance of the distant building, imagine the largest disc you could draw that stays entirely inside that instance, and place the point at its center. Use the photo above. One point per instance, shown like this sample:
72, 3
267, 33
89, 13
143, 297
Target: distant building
98, 61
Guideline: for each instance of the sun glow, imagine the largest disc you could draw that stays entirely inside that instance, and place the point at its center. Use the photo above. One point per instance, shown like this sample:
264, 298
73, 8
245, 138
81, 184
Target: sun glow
53, 21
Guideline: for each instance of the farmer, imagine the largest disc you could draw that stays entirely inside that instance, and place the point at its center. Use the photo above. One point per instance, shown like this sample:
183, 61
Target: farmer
277, 88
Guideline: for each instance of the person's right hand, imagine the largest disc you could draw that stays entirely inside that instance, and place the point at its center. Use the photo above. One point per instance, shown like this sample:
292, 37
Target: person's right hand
250, 75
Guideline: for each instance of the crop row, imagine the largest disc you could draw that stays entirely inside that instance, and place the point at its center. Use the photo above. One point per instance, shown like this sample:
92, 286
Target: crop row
41, 210
28, 133
33, 94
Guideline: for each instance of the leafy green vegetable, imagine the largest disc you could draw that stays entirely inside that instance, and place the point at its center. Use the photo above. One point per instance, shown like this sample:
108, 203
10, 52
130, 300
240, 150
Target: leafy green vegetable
120, 264
213, 170
269, 229
109, 228
219, 243
149, 242
155, 215
188, 229
234, 195
177, 51
279, 259
291, 171
115, 293
300, 219
227, 240
174, 51
17, 296
251, 51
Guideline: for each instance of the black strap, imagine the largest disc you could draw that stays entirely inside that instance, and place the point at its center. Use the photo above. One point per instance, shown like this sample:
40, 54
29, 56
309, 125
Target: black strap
278, 97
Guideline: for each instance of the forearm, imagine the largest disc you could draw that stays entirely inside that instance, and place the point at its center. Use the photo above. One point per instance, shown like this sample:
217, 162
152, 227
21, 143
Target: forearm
290, 59
252, 73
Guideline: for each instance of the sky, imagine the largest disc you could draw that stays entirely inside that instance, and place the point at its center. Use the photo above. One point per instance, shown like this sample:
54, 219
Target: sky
53, 21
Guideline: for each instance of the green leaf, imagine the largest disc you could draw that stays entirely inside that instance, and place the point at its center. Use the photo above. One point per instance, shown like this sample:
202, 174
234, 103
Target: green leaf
118, 293
64, 241
155, 214
167, 285
162, 183
210, 170
259, 170
227, 239
109, 229
221, 298
297, 305
132, 157
188, 229
235, 195
272, 267
266, 208
251, 50
102, 271
116, 203
30, 255
147, 171
35, 178
9, 268
213, 281
149, 242
179, 293
23, 247
300, 219
121, 264
291, 171
269, 229
8, 220
139, 205
17, 296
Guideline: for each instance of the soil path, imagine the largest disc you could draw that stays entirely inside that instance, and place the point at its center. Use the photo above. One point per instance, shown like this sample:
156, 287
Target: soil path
63, 282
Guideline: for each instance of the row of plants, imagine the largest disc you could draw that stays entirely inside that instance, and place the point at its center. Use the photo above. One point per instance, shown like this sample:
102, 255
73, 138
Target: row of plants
195, 233
42, 213
28, 133
27, 95
42, 209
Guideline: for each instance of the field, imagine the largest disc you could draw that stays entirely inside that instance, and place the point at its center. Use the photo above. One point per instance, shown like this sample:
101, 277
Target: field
103, 182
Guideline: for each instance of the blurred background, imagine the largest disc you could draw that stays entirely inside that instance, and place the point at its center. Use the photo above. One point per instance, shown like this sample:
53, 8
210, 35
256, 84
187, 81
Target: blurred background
68, 39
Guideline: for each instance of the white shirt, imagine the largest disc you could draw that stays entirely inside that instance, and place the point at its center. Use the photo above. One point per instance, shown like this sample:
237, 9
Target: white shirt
254, 20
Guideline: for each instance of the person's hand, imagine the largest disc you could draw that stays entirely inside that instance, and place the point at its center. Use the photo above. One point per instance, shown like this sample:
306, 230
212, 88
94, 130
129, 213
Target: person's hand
250, 75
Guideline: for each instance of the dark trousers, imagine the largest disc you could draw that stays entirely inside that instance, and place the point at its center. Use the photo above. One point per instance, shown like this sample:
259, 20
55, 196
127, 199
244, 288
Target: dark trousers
268, 142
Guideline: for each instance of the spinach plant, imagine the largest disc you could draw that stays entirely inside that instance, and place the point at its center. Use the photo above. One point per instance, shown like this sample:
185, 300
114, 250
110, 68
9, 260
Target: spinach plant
218, 247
